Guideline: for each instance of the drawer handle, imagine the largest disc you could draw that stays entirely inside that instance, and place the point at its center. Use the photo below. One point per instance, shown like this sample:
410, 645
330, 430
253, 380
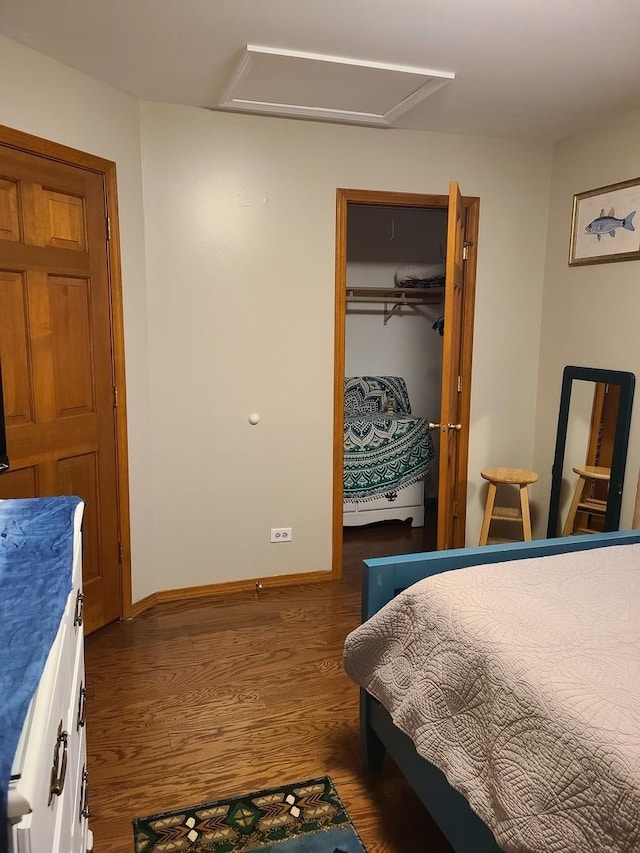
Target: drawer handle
59, 768
77, 619
84, 796
82, 707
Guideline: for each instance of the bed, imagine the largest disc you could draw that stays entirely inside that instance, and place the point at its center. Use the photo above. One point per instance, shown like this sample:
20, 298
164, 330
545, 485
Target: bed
508, 693
387, 452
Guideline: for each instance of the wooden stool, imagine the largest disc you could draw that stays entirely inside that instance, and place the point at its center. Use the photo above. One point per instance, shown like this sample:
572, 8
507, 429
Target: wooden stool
511, 477
588, 506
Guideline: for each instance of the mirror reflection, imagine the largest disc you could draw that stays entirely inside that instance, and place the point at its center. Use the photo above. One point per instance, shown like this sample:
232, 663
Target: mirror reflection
586, 473
591, 449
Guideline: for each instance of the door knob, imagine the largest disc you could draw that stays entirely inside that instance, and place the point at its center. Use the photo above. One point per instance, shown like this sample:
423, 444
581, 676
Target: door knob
445, 427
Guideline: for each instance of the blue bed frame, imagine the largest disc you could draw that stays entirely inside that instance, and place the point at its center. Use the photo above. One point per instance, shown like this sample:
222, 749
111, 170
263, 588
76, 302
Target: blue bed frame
383, 579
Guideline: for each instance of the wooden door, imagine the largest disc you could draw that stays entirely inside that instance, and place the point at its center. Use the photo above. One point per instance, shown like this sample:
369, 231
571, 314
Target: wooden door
56, 355
451, 532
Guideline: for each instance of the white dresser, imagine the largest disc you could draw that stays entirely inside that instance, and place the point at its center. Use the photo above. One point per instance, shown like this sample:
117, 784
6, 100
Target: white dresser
48, 792
400, 505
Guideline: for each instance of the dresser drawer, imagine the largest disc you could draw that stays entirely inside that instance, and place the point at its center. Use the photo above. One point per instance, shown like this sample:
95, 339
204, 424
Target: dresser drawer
72, 828
34, 807
407, 496
77, 739
74, 612
405, 503
412, 495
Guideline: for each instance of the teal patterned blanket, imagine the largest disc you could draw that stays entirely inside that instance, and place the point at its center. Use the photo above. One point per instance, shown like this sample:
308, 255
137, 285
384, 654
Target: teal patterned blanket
383, 452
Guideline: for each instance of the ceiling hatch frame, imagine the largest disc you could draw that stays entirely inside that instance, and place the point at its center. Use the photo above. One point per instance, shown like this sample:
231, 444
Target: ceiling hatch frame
233, 99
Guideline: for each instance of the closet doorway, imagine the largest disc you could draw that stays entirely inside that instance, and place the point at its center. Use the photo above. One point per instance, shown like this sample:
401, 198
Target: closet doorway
386, 288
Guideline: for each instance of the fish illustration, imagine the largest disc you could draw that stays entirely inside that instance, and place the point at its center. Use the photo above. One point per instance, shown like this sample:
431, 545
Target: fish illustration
607, 223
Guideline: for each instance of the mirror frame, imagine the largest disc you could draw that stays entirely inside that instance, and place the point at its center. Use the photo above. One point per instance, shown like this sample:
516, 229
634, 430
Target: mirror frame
627, 382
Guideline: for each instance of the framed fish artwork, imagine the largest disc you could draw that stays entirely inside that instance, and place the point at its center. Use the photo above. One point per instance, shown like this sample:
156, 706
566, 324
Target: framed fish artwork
605, 225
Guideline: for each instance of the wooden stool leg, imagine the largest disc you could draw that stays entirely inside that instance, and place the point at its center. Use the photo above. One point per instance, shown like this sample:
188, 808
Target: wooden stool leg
526, 514
567, 530
488, 510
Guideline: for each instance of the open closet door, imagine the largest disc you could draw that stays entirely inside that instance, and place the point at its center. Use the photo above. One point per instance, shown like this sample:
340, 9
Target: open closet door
450, 532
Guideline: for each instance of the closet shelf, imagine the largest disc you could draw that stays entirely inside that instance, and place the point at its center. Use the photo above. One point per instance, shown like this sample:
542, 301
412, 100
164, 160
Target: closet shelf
396, 295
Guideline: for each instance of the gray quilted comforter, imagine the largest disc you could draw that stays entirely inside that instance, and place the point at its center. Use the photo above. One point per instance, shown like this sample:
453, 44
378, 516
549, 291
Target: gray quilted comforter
521, 682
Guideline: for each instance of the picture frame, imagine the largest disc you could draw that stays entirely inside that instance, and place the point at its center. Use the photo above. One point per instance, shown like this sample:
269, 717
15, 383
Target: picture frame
605, 224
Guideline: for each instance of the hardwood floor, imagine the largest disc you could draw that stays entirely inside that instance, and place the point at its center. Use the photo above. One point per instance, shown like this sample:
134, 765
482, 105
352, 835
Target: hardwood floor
191, 703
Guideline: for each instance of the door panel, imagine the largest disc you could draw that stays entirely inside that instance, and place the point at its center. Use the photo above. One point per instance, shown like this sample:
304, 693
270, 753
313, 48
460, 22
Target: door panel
66, 221
9, 220
78, 475
450, 533
69, 310
56, 354
21, 483
19, 407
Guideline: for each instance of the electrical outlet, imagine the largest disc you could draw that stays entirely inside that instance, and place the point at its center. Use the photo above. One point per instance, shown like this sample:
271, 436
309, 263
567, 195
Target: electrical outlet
281, 534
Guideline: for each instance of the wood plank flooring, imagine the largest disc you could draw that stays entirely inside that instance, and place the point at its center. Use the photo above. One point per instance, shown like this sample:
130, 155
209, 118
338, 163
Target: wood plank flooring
191, 703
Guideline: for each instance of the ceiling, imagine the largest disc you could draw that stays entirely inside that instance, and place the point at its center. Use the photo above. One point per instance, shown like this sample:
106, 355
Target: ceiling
525, 69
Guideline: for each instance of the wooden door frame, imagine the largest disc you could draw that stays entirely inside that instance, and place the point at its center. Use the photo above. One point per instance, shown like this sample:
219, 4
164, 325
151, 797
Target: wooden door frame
16, 139
344, 197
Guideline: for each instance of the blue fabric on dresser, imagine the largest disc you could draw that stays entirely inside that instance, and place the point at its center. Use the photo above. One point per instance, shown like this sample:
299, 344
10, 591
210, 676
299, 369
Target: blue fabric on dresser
36, 555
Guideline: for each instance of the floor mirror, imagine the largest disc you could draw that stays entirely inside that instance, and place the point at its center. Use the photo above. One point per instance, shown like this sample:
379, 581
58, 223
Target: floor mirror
591, 451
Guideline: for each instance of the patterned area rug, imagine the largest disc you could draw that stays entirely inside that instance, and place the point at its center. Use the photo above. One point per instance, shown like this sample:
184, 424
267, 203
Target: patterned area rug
307, 817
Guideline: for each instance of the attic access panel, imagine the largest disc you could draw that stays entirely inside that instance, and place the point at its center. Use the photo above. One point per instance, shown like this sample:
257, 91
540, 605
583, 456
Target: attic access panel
312, 85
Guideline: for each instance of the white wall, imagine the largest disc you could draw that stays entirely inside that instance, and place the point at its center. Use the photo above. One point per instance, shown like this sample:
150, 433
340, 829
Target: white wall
590, 313
240, 219
48, 99
238, 312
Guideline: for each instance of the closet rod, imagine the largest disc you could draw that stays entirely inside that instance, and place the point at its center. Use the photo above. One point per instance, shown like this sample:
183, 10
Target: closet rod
398, 300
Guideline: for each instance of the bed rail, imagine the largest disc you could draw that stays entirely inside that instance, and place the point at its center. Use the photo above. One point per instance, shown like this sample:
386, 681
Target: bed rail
385, 577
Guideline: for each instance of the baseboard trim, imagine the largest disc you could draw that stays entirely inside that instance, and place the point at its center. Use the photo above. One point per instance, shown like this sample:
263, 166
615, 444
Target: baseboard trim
215, 590
140, 606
